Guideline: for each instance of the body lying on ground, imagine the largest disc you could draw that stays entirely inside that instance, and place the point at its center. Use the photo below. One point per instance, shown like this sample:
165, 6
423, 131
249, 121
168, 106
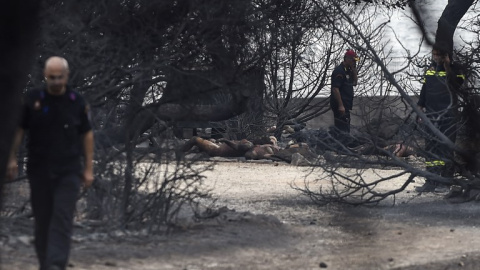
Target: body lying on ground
245, 148
397, 149
262, 151
218, 148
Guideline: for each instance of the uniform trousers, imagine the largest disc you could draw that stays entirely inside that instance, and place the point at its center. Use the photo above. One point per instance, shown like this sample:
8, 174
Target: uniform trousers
440, 157
53, 202
342, 121
342, 126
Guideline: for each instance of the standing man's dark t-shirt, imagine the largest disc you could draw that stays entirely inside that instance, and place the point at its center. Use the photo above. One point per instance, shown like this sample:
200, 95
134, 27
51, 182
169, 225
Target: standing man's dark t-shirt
342, 79
54, 126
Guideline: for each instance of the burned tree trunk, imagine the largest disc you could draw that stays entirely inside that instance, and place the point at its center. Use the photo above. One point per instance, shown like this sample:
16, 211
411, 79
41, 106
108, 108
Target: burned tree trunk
451, 16
447, 24
18, 29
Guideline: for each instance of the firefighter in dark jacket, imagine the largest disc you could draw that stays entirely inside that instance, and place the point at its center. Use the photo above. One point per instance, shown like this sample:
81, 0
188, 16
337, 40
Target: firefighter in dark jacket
59, 133
438, 99
344, 78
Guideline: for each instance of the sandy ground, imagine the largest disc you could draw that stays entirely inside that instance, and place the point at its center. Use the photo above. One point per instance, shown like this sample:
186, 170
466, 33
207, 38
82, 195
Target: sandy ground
268, 225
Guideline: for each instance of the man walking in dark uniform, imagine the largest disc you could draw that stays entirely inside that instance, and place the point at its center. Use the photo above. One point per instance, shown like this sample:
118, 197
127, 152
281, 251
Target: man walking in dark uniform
438, 99
344, 78
59, 133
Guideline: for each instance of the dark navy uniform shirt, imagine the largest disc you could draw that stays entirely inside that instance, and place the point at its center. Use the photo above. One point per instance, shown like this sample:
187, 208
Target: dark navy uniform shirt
343, 80
54, 125
438, 94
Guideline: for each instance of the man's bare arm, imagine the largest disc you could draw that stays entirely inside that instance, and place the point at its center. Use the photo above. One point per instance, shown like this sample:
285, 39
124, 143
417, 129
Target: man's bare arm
338, 99
88, 144
12, 166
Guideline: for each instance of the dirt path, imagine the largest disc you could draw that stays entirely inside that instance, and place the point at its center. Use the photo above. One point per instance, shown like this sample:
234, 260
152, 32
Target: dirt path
281, 229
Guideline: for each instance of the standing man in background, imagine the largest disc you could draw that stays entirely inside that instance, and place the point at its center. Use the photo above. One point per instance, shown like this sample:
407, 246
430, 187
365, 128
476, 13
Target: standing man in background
438, 99
344, 78
55, 118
